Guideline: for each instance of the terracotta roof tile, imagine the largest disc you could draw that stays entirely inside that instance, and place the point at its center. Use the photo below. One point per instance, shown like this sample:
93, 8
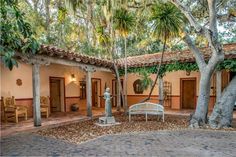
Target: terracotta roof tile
60, 53
135, 61
181, 56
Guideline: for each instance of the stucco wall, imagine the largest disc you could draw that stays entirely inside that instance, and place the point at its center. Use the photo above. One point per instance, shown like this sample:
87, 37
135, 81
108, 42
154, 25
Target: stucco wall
23, 93
24, 72
174, 78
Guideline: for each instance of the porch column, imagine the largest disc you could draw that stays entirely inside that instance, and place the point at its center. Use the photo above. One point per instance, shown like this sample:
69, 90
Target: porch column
218, 84
160, 88
89, 90
36, 94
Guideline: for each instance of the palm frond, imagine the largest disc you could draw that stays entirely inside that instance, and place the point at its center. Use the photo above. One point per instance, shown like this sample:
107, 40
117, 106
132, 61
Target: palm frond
123, 21
167, 20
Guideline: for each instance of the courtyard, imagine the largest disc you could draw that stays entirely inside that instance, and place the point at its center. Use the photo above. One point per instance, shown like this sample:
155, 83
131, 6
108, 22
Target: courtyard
135, 138
118, 78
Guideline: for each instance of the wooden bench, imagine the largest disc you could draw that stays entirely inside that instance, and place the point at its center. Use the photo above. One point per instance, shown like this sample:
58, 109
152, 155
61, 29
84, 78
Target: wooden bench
146, 108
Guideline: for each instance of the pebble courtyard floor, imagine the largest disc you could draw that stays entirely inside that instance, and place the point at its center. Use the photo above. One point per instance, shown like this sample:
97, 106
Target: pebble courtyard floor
135, 138
185, 142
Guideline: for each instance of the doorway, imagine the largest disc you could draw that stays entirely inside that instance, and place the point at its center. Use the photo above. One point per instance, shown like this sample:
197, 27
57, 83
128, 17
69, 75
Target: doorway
115, 91
96, 92
188, 93
57, 94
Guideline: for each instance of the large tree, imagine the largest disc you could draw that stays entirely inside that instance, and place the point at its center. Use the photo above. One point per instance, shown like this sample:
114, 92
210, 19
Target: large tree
209, 30
123, 22
222, 114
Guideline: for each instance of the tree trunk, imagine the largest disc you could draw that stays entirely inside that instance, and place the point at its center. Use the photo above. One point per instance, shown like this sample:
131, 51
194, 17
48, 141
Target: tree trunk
88, 21
47, 24
158, 71
120, 93
200, 116
125, 81
222, 114
118, 102
161, 94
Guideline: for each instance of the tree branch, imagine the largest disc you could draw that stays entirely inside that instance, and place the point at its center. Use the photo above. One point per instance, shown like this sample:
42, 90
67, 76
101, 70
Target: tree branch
189, 16
226, 18
212, 16
140, 6
198, 55
214, 60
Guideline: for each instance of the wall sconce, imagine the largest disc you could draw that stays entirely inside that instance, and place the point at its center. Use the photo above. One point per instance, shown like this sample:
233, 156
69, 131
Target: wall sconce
188, 72
73, 78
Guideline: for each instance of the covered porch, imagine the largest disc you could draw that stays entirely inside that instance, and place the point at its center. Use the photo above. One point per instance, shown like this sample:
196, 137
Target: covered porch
55, 119
38, 81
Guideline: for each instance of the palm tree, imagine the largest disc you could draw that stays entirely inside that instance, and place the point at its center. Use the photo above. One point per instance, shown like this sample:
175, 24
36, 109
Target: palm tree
166, 23
123, 23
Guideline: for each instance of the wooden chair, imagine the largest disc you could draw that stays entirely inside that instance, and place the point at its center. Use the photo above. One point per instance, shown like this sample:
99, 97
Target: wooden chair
11, 110
44, 105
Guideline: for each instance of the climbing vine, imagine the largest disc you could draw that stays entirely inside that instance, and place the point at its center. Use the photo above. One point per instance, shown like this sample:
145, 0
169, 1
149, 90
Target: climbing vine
229, 64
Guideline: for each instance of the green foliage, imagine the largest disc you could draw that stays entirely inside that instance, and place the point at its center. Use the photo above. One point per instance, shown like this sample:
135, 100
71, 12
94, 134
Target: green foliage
124, 21
166, 20
146, 81
16, 33
103, 37
228, 64
88, 49
61, 14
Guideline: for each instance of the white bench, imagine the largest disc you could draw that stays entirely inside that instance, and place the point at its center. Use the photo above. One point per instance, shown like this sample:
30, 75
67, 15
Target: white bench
146, 108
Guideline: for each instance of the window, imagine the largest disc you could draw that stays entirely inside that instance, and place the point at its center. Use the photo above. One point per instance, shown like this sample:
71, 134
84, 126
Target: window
82, 90
138, 89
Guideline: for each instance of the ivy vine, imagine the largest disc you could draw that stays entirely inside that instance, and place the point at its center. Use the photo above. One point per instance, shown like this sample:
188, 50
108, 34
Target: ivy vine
228, 64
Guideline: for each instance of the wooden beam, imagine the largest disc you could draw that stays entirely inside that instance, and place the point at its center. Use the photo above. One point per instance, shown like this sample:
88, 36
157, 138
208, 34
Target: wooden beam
218, 84
36, 94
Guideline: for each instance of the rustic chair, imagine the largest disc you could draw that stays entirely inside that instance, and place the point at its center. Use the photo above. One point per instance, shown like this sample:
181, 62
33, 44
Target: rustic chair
11, 110
44, 105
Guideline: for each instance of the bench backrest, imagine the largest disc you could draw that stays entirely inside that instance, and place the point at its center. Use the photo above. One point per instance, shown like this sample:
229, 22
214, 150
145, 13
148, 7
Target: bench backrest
147, 106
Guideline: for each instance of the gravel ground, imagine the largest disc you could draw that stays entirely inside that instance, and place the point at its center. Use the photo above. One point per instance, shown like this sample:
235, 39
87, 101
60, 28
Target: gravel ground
87, 130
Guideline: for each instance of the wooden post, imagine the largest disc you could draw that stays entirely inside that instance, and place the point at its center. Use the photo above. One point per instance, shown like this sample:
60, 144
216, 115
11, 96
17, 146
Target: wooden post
218, 84
160, 88
36, 94
89, 91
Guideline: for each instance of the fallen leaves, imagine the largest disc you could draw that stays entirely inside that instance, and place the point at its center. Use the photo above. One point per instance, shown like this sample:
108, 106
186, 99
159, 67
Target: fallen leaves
85, 130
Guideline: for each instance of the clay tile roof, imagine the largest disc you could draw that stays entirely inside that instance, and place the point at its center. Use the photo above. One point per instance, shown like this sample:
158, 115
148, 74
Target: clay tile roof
169, 57
135, 61
60, 53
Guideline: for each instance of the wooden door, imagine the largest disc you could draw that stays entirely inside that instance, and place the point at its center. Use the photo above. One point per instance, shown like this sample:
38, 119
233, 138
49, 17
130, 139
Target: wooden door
188, 93
55, 95
95, 93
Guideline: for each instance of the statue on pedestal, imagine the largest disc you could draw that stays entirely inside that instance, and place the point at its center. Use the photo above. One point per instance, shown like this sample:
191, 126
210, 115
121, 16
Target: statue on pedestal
108, 119
107, 97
